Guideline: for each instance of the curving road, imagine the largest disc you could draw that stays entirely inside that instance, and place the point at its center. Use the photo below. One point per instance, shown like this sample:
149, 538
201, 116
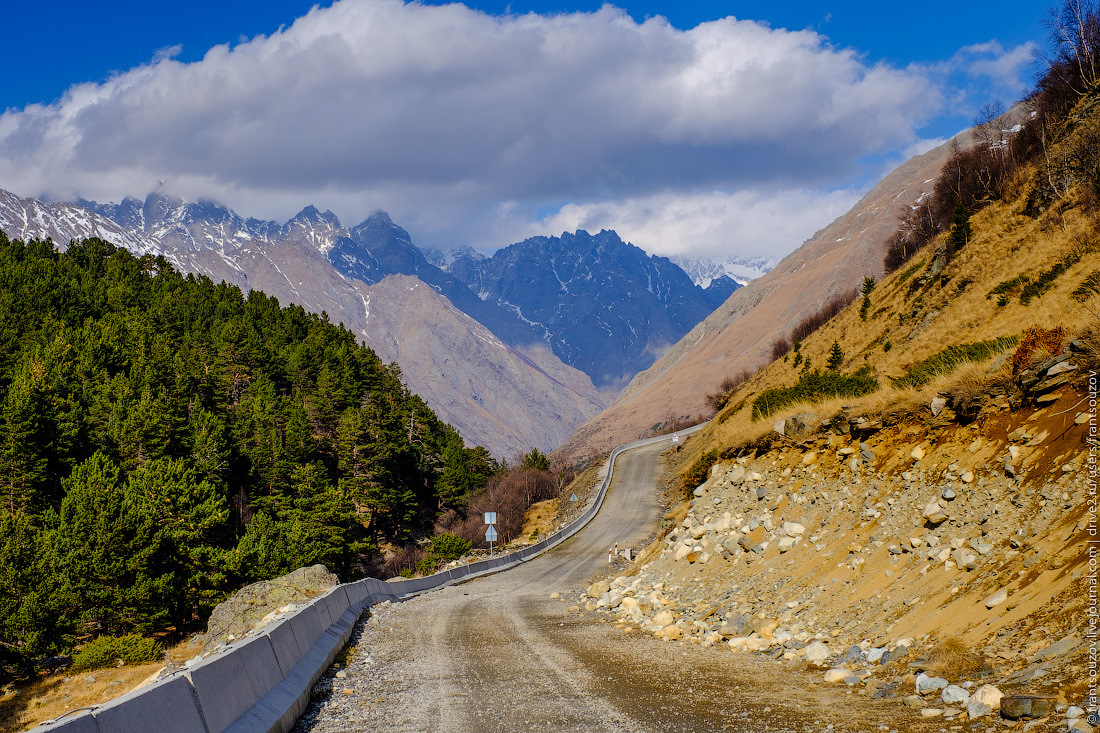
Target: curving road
498, 654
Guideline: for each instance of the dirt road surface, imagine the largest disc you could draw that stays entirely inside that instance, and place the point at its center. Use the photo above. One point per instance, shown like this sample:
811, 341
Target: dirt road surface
499, 654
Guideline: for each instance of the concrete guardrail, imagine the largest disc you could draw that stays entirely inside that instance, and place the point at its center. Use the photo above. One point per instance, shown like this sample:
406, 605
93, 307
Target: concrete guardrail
262, 683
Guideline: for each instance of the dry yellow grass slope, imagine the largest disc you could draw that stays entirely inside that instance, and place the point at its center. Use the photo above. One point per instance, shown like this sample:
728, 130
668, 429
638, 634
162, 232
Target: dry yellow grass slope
948, 519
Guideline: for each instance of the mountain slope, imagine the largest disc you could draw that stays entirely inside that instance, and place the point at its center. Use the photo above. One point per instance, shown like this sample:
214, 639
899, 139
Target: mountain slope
537, 402
604, 306
739, 333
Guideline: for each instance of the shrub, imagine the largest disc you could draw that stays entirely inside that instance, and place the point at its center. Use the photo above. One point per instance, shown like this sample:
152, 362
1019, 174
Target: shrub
403, 561
813, 386
726, 389
107, 650
510, 495
446, 547
1007, 288
1089, 287
949, 359
699, 470
780, 347
910, 271
1037, 340
952, 659
1038, 287
833, 307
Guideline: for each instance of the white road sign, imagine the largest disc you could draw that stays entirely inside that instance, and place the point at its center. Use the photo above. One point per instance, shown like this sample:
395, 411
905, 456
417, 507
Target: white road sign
491, 534
490, 517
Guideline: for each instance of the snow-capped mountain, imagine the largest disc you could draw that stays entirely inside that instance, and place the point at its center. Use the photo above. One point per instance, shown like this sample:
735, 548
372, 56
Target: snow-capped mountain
742, 270
508, 399
442, 258
594, 302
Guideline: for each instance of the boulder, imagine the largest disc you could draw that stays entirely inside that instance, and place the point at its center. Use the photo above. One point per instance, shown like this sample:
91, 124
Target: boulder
800, 425
248, 606
1026, 707
977, 709
663, 618
953, 694
765, 627
926, 684
793, 529
997, 598
598, 588
815, 653
934, 513
669, 633
838, 674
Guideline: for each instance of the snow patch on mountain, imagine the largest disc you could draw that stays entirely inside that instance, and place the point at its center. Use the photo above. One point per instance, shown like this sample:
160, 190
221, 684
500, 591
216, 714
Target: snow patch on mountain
742, 270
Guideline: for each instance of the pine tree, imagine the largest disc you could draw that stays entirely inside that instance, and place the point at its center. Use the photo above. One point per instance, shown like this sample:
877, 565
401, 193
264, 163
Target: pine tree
194, 514
961, 231
113, 556
836, 357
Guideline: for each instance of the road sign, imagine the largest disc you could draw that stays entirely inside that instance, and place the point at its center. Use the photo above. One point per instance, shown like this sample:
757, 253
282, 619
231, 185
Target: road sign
490, 517
675, 438
491, 534
572, 497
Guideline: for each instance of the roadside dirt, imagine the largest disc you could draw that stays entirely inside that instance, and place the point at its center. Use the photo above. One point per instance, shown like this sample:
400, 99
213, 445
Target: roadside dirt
516, 651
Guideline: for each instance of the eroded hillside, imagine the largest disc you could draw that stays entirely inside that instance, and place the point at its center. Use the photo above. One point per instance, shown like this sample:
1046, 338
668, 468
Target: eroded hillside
905, 497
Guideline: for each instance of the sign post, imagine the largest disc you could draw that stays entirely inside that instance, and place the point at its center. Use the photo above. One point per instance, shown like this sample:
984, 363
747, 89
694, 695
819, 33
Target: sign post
491, 532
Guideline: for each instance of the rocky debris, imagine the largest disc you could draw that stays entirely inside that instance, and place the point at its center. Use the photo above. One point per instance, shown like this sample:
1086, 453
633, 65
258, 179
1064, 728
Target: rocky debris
257, 605
860, 547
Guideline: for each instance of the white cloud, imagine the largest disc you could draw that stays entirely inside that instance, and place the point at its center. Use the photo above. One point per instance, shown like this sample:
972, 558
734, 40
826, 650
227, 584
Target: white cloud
440, 113
719, 224
992, 60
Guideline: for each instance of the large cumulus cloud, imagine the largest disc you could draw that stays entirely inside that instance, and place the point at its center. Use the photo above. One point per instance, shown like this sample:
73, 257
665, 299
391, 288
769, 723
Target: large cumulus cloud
469, 126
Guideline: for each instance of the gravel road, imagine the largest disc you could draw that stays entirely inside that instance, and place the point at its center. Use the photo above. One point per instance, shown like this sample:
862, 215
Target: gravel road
499, 654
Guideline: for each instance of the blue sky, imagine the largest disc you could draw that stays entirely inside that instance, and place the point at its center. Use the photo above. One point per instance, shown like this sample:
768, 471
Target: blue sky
82, 110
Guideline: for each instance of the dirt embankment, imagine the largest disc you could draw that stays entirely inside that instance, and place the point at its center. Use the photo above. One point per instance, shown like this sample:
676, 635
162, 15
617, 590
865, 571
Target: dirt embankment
958, 550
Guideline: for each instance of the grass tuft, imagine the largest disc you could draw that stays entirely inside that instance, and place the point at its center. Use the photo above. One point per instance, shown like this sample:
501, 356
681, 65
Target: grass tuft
813, 386
952, 659
951, 358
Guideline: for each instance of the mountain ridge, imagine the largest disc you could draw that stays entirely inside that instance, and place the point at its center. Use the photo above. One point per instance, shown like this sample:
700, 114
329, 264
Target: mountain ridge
257, 256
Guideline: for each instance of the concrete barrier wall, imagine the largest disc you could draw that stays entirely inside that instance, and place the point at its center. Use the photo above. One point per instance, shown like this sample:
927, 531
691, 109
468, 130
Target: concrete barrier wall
261, 684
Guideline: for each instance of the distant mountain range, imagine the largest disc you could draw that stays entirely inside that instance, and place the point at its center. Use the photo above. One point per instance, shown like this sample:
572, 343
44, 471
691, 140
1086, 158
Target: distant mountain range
704, 271
534, 312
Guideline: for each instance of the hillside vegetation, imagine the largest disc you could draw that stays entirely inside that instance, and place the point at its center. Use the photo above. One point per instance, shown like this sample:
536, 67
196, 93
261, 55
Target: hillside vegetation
911, 475
165, 440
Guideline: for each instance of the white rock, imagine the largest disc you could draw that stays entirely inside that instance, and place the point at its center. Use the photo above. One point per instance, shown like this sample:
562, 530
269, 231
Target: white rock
787, 543
989, 695
997, 598
837, 674
793, 529
977, 709
917, 453
664, 618
954, 694
815, 653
